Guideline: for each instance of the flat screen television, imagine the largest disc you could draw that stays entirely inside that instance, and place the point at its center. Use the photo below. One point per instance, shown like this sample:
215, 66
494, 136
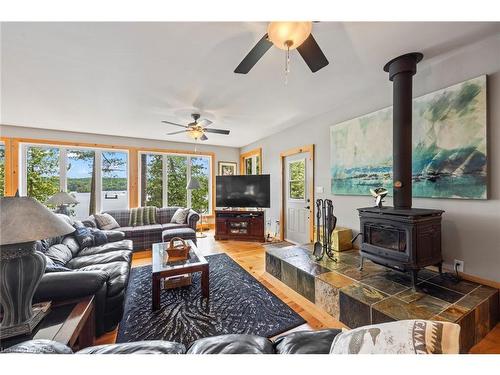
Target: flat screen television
243, 191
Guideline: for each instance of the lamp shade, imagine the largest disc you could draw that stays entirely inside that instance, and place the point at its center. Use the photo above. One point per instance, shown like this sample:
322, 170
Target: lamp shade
24, 219
193, 184
288, 35
61, 198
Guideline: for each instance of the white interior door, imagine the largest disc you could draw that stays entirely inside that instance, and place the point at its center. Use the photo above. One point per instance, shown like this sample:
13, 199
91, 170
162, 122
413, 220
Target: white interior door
297, 200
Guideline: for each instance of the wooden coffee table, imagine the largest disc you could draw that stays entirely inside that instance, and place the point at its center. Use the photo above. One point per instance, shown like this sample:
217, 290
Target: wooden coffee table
162, 269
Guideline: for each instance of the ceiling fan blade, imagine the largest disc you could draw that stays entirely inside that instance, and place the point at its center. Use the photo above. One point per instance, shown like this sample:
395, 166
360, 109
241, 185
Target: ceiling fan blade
203, 137
254, 55
178, 132
217, 131
312, 54
173, 123
204, 123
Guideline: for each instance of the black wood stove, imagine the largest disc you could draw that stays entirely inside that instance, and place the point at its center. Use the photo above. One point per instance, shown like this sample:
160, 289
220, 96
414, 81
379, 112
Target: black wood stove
401, 237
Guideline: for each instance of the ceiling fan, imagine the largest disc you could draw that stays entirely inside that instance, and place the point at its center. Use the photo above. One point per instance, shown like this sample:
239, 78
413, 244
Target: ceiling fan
197, 129
286, 36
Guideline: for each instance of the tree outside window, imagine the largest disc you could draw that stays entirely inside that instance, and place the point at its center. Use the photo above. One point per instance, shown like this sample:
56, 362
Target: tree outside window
42, 172
297, 179
114, 180
152, 180
200, 170
177, 180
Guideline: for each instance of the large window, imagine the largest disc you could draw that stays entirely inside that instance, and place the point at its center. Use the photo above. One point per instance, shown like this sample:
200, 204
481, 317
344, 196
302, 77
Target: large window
2, 169
98, 179
164, 179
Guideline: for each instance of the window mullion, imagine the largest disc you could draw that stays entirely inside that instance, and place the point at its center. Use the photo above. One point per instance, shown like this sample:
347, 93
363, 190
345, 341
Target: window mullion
164, 169
98, 180
188, 178
63, 162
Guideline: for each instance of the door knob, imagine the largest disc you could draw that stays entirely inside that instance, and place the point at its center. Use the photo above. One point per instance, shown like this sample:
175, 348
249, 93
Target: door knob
307, 207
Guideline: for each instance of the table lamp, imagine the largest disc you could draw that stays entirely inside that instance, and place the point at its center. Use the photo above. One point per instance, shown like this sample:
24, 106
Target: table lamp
61, 200
23, 221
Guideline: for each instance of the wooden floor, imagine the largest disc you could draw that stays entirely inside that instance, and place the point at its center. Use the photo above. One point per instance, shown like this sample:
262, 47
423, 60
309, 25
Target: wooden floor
251, 256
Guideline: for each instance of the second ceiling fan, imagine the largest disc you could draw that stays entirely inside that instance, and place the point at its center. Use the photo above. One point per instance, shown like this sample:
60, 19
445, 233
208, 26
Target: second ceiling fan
197, 129
286, 36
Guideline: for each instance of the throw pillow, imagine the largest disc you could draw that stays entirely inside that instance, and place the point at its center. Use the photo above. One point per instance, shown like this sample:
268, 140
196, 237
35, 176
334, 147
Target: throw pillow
100, 238
142, 216
106, 221
400, 337
90, 222
180, 216
84, 237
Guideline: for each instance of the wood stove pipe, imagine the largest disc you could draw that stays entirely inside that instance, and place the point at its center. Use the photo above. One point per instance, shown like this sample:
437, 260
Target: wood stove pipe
401, 70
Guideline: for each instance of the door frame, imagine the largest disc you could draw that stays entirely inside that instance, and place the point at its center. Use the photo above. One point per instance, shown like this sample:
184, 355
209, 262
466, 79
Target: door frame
293, 151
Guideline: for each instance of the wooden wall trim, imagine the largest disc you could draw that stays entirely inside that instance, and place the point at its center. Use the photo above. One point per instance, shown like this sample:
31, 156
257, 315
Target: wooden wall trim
133, 178
255, 152
283, 155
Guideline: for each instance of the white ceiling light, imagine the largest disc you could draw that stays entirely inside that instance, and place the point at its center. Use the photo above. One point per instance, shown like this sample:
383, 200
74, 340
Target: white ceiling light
288, 35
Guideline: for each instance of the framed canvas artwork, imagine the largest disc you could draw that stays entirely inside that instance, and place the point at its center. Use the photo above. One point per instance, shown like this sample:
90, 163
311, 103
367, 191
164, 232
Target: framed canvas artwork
449, 146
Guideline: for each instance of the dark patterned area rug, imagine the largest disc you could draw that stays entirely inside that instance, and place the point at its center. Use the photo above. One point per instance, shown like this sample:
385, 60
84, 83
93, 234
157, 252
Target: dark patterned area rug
238, 303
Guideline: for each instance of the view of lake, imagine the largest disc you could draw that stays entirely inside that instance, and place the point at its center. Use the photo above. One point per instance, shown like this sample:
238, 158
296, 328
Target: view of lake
111, 200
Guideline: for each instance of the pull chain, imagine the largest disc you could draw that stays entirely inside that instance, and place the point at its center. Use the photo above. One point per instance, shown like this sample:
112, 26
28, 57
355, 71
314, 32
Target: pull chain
287, 63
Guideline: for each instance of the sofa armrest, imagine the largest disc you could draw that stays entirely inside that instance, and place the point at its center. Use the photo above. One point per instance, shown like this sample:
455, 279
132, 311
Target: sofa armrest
192, 218
114, 235
39, 346
72, 284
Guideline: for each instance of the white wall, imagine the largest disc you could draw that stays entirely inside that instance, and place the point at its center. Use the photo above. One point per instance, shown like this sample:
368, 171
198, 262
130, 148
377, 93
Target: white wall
471, 229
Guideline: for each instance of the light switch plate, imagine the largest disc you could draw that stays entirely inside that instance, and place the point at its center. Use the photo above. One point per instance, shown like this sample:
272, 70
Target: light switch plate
320, 190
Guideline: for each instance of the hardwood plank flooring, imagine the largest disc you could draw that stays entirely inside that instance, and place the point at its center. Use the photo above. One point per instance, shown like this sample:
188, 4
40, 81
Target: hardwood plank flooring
251, 256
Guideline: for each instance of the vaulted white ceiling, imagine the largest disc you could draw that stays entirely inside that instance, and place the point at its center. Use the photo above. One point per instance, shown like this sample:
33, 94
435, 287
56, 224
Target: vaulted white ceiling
124, 78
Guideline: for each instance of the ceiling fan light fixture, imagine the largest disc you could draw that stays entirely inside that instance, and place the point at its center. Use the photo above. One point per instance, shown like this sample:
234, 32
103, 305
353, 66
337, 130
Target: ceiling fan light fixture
288, 35
195, 133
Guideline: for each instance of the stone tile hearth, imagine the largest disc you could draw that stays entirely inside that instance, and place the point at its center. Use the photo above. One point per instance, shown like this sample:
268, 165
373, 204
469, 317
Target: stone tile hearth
377, 294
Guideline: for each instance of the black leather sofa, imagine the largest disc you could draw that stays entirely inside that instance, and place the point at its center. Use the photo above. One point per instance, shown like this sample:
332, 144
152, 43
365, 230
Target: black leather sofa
74, 272
303, 342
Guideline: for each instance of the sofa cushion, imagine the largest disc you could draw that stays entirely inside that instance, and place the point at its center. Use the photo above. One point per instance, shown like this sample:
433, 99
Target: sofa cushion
164, 215
174, 226
232, 344
60, 254
121, 216
141, 229
117, 275
90, 222
72, 244
50, 266
114, 235
306, 342
88, 260
110, 246
100, 237
84, 237
400, 337
106, 221
180, 216
137, 347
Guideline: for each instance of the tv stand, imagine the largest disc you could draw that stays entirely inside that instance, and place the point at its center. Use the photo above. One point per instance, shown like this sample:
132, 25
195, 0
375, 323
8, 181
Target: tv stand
244, 225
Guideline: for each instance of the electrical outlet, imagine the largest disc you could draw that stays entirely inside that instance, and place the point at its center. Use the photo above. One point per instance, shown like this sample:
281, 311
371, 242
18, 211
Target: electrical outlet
458, 265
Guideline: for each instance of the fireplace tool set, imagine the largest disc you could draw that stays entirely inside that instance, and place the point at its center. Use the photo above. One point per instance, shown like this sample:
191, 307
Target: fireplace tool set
328, 221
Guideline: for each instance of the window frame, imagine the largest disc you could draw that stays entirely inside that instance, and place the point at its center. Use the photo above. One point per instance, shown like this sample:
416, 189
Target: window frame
290, 181
63, 164
255, 156
188, 156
